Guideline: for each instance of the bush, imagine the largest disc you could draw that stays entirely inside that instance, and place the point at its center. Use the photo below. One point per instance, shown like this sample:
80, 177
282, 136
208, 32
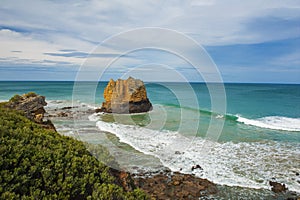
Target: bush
36, 163
16, 98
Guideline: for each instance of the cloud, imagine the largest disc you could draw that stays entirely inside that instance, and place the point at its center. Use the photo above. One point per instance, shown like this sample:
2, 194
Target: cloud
78, 54
214, 22
49, 33
28, 49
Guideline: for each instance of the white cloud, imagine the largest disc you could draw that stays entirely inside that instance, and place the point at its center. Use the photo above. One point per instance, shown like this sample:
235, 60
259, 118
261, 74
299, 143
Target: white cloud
27, 50
37, 27
214, 22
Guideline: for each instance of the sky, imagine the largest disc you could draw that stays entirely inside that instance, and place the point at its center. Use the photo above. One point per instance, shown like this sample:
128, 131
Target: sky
248, 41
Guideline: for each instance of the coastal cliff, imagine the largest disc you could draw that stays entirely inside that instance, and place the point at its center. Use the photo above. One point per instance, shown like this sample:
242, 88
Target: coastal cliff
125, 96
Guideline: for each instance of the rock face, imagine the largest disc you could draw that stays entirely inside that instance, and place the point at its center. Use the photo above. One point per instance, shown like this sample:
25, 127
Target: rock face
33, 107
125, 96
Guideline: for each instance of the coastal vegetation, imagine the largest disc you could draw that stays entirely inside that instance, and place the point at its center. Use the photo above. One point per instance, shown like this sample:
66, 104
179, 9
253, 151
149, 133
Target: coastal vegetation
36, 163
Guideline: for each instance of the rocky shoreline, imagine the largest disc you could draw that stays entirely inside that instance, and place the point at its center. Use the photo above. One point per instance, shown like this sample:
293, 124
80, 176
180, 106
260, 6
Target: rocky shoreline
162, 185
165, 184
169, 185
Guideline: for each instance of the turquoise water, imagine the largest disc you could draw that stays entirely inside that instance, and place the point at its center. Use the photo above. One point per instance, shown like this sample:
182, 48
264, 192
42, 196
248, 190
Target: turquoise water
276, 104
249, 100
274, 108
260, 139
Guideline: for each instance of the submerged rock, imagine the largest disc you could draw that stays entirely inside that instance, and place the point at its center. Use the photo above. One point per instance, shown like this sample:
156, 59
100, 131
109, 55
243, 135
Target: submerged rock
196, 167
125, 96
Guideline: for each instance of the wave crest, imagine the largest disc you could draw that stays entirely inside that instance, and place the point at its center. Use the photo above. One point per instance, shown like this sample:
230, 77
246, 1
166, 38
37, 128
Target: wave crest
273, 122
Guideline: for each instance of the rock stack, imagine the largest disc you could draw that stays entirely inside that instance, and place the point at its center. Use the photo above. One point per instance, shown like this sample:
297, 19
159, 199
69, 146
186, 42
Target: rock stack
125, 96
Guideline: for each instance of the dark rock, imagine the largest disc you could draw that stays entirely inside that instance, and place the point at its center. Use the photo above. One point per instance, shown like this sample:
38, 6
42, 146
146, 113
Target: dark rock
125, 96
48, 125
97, 110
196, 167
62, 114
278, 187
292, 198
68, 107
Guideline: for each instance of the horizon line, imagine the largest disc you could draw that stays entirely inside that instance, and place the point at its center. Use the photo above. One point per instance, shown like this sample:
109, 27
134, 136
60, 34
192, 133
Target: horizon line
202, 82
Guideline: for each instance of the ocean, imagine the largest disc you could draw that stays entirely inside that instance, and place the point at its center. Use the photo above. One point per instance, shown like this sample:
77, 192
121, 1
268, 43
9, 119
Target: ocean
259, 140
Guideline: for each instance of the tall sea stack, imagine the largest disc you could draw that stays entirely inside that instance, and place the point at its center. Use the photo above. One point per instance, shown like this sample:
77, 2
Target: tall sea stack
125, 96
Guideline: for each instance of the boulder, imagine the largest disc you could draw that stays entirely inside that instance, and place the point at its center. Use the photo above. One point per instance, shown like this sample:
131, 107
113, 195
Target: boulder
125, 96
32, 105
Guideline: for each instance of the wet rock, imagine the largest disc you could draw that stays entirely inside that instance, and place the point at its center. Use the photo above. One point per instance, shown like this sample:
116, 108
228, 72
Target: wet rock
178, 152
125, 96
196, 167
277, 187
97, 110
62, 114
70, 112
69, 107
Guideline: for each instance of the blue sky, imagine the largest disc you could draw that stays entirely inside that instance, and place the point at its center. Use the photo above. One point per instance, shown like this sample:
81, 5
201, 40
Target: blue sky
253, 41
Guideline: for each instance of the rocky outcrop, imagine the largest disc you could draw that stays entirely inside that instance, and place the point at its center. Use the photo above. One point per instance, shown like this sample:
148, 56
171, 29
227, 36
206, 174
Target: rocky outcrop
176, 186
125, 96
166, 185
32, 105
69, 112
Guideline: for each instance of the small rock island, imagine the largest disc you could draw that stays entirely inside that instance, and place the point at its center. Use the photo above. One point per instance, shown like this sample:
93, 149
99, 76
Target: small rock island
125, 96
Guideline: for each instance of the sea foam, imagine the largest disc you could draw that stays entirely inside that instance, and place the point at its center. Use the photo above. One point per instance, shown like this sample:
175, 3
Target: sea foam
234, 164
273, 122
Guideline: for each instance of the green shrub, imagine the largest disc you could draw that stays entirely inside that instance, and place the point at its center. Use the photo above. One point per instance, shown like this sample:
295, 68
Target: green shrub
36, 163
16, 98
